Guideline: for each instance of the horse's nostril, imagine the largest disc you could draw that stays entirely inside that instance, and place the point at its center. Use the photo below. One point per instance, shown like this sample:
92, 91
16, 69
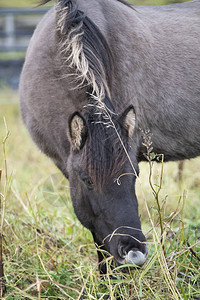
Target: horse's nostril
122, 251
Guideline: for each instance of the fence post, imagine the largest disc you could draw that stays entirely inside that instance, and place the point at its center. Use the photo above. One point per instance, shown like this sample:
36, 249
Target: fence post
15, 38
10, 30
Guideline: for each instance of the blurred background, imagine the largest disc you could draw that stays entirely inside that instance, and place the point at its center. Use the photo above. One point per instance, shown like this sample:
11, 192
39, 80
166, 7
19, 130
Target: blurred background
17, 22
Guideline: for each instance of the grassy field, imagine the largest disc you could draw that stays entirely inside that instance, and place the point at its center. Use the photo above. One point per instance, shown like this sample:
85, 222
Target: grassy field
19, 3
49, 255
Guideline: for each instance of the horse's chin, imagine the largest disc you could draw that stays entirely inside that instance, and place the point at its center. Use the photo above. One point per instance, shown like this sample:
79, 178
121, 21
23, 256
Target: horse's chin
133, 257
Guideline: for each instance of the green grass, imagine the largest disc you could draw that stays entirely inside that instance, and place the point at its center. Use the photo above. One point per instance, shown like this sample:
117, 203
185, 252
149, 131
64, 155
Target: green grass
11, 55
48, 254
20, 3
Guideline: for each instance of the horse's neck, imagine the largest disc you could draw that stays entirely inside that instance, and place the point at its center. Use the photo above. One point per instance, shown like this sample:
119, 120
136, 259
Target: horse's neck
132, 46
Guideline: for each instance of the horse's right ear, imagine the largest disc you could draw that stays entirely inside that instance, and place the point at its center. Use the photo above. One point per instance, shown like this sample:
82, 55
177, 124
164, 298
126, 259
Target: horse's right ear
127, 120
77, 131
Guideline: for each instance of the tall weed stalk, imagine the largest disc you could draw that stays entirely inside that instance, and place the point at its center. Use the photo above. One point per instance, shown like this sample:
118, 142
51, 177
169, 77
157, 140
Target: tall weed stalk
3, 193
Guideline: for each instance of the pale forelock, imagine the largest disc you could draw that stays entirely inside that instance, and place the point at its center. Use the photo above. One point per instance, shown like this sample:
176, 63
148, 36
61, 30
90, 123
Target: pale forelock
75, 53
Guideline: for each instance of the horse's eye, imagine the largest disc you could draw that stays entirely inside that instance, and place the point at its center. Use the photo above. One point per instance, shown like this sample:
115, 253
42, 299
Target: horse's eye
86, 179
88, 182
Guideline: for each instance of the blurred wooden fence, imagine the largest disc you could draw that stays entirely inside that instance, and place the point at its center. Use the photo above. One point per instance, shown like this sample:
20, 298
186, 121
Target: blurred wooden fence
17, 26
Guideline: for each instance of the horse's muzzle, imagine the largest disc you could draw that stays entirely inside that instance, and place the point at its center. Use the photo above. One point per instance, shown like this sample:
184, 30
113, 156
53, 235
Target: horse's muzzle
134, 256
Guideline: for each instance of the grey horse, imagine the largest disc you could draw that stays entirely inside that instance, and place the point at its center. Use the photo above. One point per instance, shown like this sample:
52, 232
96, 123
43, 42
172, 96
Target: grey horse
97, 75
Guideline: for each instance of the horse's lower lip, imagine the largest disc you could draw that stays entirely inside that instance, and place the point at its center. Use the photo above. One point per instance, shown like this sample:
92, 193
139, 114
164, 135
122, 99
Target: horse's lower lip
136, 258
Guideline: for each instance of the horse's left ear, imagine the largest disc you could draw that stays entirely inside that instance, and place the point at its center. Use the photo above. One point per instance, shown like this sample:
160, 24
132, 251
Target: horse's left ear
127, 120
77, 131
